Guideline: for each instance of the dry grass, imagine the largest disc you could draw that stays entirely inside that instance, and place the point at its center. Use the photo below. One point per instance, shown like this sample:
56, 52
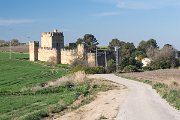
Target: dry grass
170, 77
75, 79
19, 49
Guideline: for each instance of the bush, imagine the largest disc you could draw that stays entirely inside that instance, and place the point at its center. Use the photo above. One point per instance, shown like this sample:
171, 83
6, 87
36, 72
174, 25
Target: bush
148, 68
165, 63
37, 115
161, 64
130, 68
89, 70
79, 68
77, 62
58, 108
130, 62
95, 70
171, 95
111, 66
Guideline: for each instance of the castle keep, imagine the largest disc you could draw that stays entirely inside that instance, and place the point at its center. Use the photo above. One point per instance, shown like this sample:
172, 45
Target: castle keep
52, 49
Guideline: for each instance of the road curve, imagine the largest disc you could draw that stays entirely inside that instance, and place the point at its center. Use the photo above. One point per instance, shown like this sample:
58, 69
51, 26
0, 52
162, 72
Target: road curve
142, 102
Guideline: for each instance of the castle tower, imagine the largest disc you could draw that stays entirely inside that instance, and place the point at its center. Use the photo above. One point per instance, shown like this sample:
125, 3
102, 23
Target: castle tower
91, 59
33, 50
53, 39
81, 51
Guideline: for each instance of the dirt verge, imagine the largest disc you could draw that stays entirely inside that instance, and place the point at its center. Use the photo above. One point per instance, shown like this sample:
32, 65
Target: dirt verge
105, 106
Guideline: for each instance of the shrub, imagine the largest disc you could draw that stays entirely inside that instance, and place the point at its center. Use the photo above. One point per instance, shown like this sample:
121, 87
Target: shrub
148, 68
95, 70
79, 68
37, 115
79, 61
130, 68
171, 95
89, 70
111, 66
52, 61
130, 62
58, 108
161, 64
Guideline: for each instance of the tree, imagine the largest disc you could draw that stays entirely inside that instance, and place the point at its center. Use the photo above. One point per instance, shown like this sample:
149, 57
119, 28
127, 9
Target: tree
79, 41
15, 42
139, 55
146, 46
165, 58
111, 66
127, 50
115, 42
2, 43
152, 42
89, 41
151, 52
130, 61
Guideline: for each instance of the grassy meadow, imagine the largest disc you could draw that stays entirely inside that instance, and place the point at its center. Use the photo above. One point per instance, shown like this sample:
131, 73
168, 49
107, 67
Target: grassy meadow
18, 101
19, 73
16, 75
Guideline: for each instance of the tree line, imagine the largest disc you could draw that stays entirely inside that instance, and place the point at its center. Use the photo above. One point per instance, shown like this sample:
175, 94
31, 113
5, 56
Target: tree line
130, 57
14, 42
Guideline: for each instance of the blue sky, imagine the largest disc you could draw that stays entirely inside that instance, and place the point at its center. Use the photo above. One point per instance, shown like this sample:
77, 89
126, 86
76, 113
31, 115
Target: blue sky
127, 20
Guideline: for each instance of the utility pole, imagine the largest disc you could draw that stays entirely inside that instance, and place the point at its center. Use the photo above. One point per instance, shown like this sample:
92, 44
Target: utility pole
105, 59
10, 50
117, 55
96, 57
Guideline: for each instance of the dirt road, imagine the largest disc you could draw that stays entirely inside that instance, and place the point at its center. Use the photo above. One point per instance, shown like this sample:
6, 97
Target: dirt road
104, 106
142, 102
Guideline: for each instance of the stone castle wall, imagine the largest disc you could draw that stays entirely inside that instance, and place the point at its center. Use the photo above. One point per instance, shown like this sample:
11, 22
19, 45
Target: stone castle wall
50, 55
68, 56
33, 50
52, 40
51, 50
91, 59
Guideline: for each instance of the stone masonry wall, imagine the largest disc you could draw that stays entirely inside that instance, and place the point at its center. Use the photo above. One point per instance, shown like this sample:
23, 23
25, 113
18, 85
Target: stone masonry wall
46, 40
50, 55
68, 56
91, 59
33, 50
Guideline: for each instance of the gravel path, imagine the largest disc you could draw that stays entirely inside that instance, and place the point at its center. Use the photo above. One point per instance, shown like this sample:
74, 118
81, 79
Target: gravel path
142, 102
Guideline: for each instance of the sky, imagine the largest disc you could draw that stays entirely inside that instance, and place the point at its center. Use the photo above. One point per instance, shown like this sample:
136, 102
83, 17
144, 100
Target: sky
127, 20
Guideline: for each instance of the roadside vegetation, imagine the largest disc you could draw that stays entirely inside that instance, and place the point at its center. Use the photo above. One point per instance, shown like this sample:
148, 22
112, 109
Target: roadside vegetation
165, 82
18, 73
32, 91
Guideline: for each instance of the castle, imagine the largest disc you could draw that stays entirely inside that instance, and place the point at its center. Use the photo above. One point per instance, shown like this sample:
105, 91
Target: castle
52, 49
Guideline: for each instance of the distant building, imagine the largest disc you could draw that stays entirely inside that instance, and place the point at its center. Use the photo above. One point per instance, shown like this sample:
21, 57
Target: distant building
146, 61
52, 50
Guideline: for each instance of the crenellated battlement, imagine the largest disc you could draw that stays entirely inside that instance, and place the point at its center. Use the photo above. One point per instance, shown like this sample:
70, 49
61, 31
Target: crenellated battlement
34, 43
68, 50
47, 48
52, 49
50, 34
52, 39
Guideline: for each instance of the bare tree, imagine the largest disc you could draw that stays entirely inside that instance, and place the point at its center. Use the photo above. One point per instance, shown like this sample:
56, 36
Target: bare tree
152, 52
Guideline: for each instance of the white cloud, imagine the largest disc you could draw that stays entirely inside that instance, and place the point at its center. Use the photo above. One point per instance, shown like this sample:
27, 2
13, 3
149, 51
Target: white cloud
6, 22
134, 5
147, 4
104, 14
142, 4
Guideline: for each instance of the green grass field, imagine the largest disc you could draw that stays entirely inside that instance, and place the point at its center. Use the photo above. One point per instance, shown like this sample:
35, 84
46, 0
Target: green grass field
18, 102
18, 74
